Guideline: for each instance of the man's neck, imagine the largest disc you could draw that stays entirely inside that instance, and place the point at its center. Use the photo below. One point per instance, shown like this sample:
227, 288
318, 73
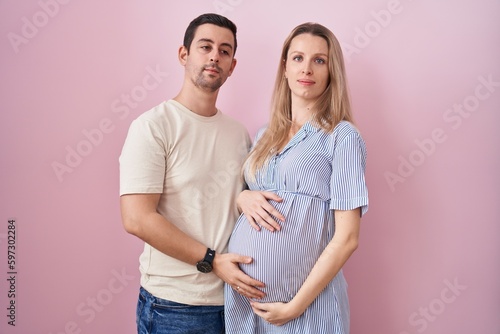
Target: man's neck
199, 102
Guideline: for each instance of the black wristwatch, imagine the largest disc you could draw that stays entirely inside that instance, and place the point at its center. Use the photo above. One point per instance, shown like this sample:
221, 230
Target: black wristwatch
205, 265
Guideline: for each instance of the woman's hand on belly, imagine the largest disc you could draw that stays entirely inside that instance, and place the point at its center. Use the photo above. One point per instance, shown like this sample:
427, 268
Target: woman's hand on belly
258, 211
276, 313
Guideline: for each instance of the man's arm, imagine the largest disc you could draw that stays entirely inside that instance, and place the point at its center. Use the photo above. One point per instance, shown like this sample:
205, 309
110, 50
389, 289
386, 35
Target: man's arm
140, 218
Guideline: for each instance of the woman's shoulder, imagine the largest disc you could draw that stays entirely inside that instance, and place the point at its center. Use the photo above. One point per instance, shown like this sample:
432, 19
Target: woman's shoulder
344, 129
345, 134
260, 132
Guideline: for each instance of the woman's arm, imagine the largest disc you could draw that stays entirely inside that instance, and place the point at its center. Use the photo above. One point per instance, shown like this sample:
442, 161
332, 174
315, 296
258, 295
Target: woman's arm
331, 260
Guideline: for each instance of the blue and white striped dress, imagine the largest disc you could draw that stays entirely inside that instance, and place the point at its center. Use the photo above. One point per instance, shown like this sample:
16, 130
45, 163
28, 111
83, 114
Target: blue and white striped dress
316, 173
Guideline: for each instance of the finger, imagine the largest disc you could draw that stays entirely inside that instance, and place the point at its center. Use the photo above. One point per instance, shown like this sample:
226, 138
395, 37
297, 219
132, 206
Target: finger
272, 220
252, 222
272, 196
249, 291
260, 219
241, 259
259, 308
257, 216
252, 292
246, 291
268, 222
250, 282
268, 227
256, 310
255, 226
271, 210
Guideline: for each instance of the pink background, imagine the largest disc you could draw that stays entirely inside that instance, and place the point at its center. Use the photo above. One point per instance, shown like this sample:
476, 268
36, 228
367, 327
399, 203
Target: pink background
428, 260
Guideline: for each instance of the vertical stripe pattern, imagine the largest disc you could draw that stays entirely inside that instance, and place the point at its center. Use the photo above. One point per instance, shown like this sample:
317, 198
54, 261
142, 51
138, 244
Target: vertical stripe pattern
315, 174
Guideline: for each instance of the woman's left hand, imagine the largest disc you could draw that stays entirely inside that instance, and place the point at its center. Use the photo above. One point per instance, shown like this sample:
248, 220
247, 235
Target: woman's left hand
258, 211
276, 313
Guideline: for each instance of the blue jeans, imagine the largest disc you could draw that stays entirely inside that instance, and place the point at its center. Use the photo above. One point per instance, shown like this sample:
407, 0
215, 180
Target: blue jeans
160, 316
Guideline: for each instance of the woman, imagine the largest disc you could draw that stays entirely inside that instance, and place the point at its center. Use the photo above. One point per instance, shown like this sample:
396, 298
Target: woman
306, 167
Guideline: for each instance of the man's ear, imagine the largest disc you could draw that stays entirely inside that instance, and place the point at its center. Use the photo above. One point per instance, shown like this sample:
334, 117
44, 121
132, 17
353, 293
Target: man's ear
233, 65
183, 54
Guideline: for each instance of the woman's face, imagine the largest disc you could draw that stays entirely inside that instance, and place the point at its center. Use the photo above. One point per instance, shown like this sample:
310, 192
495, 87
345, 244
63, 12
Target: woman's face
306, 67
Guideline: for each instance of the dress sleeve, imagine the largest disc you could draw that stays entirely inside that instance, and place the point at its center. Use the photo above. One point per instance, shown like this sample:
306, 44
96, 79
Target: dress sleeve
143, 159
348, 188
259, 134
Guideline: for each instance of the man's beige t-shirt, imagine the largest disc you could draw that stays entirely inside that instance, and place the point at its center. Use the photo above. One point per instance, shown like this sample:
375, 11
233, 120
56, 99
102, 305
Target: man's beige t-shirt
195, 163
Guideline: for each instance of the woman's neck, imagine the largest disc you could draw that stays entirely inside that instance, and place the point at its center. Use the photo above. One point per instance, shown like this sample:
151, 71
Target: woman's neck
300, 115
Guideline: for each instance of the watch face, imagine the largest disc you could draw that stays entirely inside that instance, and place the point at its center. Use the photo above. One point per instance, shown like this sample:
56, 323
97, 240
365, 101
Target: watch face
204, 267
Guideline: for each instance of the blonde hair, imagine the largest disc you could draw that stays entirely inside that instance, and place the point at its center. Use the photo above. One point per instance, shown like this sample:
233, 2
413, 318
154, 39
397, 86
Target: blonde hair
332, 106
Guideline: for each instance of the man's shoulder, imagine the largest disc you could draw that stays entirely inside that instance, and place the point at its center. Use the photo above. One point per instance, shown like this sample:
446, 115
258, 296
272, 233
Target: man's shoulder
158, 111
231, 123
162, 115
231, 119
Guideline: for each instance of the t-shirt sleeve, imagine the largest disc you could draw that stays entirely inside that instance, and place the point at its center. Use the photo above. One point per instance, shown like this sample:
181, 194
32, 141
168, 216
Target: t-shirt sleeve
347, 186
143, 159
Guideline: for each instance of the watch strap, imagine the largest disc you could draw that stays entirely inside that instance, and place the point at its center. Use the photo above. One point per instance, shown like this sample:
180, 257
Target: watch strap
209, 256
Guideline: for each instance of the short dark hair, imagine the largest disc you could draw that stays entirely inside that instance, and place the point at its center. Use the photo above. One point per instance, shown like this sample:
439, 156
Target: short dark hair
209, 18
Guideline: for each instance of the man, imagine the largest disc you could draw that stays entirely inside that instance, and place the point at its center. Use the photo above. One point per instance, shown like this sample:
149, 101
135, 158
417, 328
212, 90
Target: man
179, 178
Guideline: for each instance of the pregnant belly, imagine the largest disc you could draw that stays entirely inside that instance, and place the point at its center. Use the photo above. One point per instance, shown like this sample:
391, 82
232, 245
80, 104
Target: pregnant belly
281, 259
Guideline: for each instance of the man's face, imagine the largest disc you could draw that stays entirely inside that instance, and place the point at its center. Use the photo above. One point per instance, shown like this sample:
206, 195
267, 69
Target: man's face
210, 60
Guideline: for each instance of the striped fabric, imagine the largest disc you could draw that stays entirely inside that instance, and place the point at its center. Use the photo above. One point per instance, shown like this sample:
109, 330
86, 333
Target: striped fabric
315, 173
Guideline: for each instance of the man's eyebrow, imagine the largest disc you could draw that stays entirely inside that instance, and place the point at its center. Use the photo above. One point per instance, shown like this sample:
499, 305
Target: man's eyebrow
208, 40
